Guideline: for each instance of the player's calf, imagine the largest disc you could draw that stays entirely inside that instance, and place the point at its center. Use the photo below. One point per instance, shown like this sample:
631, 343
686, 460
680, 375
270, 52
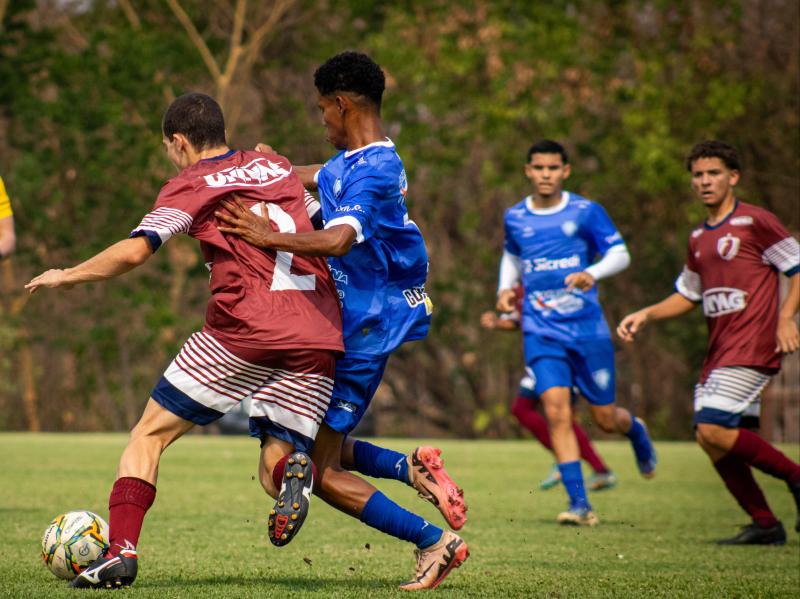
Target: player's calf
428, 476
291, 507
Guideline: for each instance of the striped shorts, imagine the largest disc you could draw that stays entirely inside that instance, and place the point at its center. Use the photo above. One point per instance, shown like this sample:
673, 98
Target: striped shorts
289, 389
729, 394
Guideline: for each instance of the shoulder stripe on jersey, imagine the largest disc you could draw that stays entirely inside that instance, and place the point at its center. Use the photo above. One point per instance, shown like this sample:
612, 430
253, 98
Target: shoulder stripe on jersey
783, 255
689, 285
165, 222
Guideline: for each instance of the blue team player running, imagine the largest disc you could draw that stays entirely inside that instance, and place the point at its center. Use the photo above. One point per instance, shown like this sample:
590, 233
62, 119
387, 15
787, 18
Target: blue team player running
551, 240
379, 263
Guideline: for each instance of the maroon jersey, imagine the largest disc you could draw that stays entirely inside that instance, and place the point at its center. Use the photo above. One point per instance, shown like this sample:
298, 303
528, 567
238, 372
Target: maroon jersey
732, 268
259, 298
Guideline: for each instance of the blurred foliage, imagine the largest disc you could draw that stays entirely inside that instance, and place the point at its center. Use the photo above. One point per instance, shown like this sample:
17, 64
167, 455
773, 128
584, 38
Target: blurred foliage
628, 86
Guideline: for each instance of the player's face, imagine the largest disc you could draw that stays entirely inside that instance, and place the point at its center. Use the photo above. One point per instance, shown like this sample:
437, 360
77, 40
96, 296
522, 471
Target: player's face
712, 181
333, 119
547, 173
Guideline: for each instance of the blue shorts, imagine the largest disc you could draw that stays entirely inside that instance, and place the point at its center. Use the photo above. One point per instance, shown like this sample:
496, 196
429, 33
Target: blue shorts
354, 384
590, 368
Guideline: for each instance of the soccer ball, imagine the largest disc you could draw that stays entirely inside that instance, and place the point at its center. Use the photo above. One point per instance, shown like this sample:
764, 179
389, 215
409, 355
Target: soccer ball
73, 541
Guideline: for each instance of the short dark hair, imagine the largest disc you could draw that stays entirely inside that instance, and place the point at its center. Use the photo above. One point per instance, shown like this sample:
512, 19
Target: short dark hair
351, 72
548, 146
198, 117
714, 149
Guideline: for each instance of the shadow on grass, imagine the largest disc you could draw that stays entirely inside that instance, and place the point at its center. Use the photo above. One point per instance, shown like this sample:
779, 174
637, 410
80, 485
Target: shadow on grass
291, 583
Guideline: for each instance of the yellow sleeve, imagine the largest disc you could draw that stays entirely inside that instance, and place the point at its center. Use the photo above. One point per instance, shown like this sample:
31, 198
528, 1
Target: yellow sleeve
5, 203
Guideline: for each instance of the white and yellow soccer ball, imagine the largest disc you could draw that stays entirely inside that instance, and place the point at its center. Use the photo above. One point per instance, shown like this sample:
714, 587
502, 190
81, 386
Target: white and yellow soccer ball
72, 542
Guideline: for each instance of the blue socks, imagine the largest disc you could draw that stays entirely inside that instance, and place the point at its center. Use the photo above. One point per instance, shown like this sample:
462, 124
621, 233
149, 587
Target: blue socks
382, 513
639, 439
572, 477
378, 462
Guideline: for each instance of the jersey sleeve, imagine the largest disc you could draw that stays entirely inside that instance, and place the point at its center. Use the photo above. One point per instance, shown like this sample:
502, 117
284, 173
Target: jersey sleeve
688, 283
510, 243
602, 231
359, 206
778, 247
172, 214
5, 203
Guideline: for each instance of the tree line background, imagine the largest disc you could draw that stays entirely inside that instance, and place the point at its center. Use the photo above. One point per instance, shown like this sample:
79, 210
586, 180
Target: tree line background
627, 85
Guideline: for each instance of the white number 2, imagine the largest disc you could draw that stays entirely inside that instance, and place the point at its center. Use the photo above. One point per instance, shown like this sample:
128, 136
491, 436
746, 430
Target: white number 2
282, 278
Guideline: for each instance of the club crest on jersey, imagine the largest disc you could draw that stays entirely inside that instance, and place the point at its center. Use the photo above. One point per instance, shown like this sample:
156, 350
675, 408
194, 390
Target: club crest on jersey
257, 173
403, 183
728, 246
569, 227
337, 187
723, 300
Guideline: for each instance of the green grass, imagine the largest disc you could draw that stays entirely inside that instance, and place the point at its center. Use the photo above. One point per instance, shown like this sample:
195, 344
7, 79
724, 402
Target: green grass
206, 537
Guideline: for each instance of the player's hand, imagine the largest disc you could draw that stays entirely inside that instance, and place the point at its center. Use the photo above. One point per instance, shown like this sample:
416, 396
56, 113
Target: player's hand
255, 230
582, 280
265, 148
52, 278
787, 337
632, 324
489, 320
506, 300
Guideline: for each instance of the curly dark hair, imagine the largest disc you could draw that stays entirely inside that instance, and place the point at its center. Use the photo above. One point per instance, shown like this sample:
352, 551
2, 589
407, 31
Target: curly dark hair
714, 149
351, 72
198, 117
548, 146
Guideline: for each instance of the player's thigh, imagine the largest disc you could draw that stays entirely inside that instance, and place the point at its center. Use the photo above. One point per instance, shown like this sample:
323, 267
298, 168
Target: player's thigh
595, 375
158, 423
728, 397
355, 383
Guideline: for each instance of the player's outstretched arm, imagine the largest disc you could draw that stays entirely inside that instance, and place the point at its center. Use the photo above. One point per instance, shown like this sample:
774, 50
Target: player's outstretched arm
787, 335
256, 230
111, 262
672, 306
8, 240
490, 320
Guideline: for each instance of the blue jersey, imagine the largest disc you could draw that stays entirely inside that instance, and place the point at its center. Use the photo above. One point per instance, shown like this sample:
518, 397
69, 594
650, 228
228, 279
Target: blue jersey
381, 280
552, 243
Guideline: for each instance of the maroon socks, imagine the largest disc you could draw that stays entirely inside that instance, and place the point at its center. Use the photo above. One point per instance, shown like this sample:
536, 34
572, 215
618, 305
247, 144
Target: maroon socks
739, 479
129, 501
761, 454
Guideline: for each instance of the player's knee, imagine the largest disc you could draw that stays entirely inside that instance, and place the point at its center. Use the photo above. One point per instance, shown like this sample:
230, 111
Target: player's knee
606, 423
711, 435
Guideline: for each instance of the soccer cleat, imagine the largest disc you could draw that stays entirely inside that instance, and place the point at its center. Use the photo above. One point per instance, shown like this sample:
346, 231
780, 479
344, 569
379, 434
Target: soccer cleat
795, 489
552, 479
578, 516
291, 507
430, 479
646, 456
434, 563
108, 572
600, 481
755, 535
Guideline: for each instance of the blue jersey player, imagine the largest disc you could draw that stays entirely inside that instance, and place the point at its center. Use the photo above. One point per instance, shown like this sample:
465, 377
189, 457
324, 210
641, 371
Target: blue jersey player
552, 238
379, 263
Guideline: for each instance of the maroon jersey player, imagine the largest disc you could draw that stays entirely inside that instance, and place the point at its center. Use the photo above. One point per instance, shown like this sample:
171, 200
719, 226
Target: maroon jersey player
732, 267
272, 330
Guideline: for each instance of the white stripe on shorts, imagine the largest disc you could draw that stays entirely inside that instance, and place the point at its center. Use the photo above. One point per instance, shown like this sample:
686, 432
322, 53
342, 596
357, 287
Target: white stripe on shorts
214, 377
732, 389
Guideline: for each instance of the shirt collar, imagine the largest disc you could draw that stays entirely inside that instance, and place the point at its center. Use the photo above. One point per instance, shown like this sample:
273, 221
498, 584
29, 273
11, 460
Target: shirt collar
387, 143
545, 211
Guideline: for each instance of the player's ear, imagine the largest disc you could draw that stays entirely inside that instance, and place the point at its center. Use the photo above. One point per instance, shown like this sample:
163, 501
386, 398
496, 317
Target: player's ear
734, 178
567, 170
342, 103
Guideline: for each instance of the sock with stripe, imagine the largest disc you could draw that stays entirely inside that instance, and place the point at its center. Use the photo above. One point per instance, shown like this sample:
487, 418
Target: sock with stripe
738, 477
572, 477
127, 505
385, 515
761, 454
379, 462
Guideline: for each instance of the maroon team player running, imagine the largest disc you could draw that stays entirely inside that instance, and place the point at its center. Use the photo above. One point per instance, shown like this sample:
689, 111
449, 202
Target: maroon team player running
272, 330
732, 268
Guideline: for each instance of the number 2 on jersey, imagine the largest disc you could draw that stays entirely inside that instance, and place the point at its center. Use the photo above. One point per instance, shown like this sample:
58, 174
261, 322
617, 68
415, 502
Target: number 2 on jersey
282, 278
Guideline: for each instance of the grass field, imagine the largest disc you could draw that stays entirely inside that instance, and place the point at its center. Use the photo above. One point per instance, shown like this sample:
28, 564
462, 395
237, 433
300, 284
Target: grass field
206, 534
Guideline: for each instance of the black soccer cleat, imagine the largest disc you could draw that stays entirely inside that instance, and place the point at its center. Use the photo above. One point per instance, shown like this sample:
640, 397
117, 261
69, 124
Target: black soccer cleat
291, 508
753, 534
795, 489
108, 572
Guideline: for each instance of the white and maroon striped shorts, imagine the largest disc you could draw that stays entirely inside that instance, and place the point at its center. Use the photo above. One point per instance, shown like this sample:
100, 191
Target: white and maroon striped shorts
289, 389
728, 394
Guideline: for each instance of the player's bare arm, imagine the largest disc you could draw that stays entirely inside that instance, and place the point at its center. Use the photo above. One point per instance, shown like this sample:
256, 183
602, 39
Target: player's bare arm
115, 260
306, 172
787, 335
257, 230
672, 306
8, 240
